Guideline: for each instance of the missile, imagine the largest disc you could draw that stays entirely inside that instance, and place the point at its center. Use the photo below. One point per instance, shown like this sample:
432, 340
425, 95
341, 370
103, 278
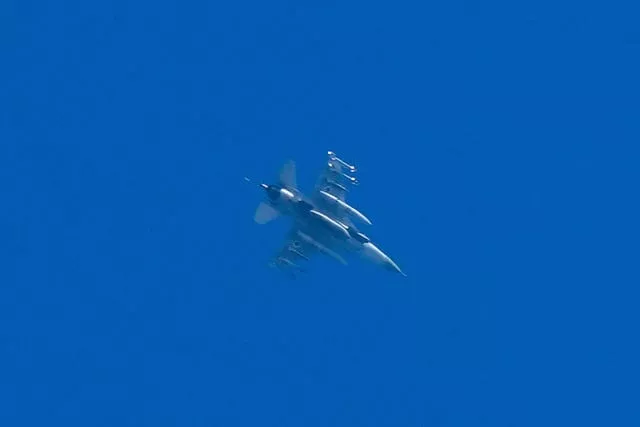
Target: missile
351, 210
289, 263
334, 158
338, 229
321, 247
337, 185
352, 179
280, 264
298, 253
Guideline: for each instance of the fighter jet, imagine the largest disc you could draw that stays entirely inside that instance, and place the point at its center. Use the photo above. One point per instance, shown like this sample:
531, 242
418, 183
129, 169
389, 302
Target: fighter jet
322, 223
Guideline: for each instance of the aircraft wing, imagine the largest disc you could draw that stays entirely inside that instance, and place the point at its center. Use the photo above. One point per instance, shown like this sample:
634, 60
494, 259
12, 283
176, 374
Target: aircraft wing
294, 254
301, 244
335, 181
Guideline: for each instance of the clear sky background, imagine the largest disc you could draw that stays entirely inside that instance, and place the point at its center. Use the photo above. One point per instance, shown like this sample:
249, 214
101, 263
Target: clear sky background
497, 148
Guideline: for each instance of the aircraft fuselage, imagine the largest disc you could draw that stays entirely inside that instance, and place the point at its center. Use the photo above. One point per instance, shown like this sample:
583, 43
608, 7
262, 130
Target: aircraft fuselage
314, 221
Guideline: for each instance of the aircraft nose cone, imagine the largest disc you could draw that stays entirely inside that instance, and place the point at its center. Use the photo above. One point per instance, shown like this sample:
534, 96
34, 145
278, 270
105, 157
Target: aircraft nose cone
374, 253
390, 265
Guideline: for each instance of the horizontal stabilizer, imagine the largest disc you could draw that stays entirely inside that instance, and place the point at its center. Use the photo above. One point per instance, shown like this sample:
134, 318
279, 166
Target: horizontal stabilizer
265, 213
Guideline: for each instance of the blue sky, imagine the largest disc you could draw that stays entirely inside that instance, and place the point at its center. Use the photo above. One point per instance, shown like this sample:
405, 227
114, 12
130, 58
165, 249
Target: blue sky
497, 150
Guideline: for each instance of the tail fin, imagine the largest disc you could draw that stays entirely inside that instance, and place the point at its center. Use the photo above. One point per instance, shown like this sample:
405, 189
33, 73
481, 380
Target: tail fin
265, 213
288, 175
